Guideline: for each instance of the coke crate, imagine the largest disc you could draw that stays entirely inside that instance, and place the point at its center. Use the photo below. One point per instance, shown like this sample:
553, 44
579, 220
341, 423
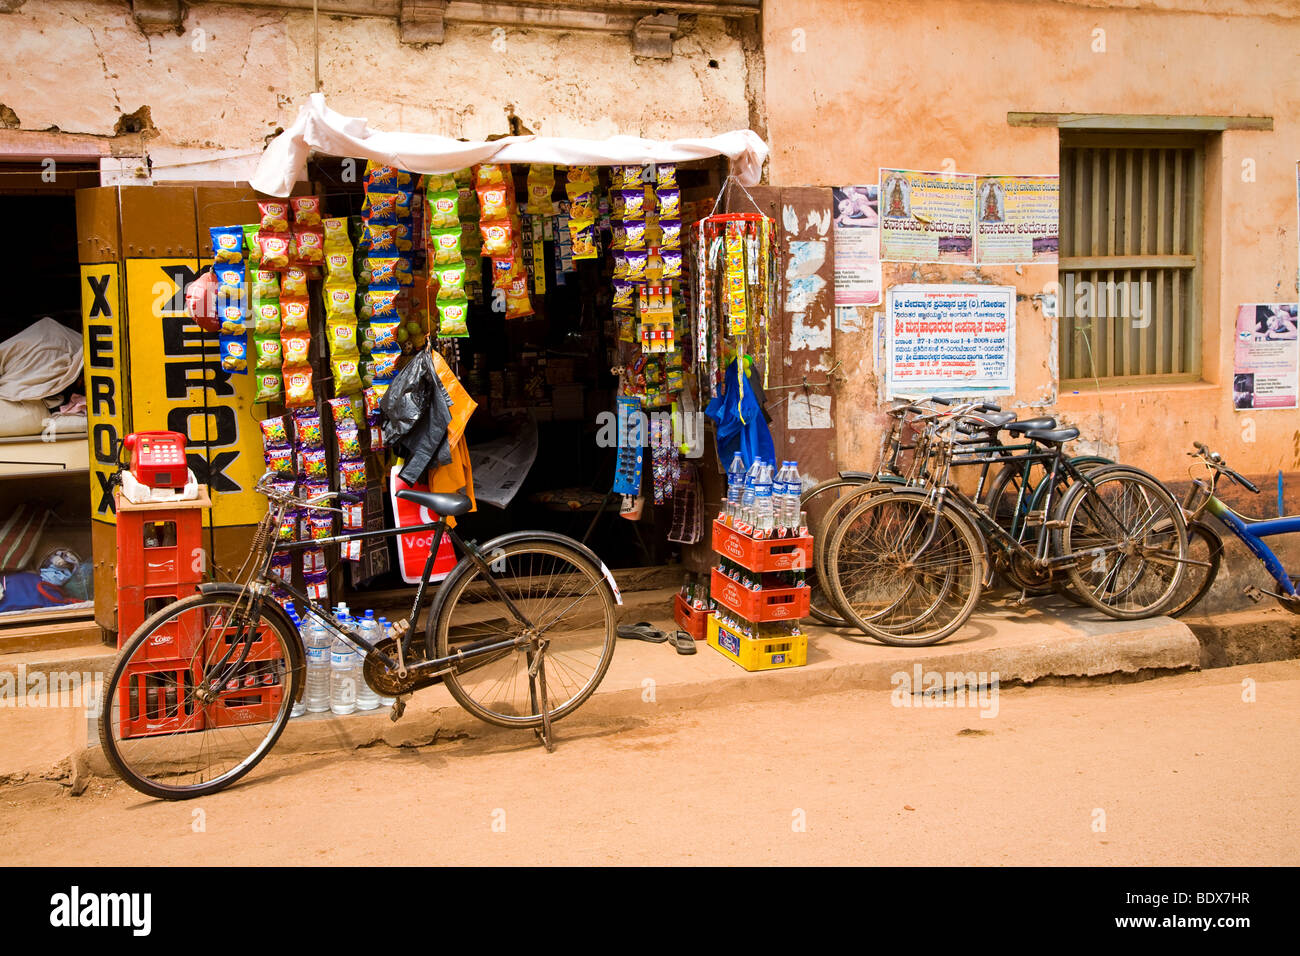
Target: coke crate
762, 554
758, 653
693, 621
135, 605
160, 544
265, 646
157, 698
247, 705
766, 604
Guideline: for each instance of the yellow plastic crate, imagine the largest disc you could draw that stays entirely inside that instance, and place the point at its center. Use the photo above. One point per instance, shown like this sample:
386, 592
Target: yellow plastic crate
758, 654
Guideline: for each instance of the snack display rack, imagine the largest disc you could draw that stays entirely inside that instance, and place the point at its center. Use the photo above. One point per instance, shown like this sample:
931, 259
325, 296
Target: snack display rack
752, 626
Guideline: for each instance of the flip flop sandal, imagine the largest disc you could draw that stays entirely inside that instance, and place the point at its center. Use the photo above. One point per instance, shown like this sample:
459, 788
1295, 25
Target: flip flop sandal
642, 631
684, 642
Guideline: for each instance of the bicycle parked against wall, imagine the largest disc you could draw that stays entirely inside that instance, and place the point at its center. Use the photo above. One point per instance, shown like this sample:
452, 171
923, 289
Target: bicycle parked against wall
1201, 500
521, 632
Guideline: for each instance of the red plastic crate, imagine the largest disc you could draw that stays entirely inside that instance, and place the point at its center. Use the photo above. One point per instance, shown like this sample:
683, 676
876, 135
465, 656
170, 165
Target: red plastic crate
134, 605
264, 647
181, 560
766, 604
693, 621
152, 700
762, 554
248, 705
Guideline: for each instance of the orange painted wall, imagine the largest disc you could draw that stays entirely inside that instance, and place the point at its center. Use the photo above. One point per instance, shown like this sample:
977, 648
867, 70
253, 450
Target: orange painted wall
853, 85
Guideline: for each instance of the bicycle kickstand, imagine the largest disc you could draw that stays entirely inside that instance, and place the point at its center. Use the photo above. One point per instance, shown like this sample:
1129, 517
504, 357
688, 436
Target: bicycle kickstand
537, 678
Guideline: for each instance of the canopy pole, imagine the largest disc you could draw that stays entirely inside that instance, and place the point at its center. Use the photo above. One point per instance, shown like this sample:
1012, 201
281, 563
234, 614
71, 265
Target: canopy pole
315, 41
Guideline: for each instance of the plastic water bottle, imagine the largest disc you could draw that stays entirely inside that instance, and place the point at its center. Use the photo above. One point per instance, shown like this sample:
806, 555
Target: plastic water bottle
763, 499
317, 641
343, 672
382, 634
778, 494
299, 706
367, 699
735, 485
747, 492
789, 517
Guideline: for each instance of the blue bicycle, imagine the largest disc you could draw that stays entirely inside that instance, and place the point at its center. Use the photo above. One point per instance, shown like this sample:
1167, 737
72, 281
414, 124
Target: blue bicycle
1207, 545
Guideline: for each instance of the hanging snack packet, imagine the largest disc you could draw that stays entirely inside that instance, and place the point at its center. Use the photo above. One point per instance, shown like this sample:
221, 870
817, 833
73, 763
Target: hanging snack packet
445, 244
340, 303
504, 271
670, 203
471, 237
385, 336
385, 366
230, 284
293, 281
279, 460
252, 251
371, 398
633, 235
667, 175
275, 216
341, 413
494, 203
467, 202
266, 352
582, 174
232, 320
671, 233
310, 243
347, 373
322, 526
378, 240
402, 237
518, 304
453, 318
541, 183
274, 432
584, 238
336, 233
313, 465
348, 441
672, 263
451, 282
379, 304
443, 209
620, 265
624, 294
265, 286
307, 429
338, 267
227, 244
633, 205
489, 174
341, 334
380, 272
636, 264
582, 200
383, 208
234, 353
352, 475
293, 313
618, 236
497, 238
296, 347
306, 210
274, 247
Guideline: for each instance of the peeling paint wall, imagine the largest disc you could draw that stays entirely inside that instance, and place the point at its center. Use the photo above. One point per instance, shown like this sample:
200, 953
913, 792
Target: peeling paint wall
236, 74
853, 85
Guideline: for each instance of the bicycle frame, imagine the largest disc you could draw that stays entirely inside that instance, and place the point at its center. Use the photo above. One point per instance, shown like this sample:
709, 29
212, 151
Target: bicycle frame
1252, 532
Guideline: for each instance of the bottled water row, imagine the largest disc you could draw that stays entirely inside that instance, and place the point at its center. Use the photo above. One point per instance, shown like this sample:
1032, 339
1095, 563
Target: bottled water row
764, 497
335, 678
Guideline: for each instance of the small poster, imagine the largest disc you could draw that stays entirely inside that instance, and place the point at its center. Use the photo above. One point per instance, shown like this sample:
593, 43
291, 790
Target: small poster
926, 217
950, 340
1017, 219
1266, 361
857, 245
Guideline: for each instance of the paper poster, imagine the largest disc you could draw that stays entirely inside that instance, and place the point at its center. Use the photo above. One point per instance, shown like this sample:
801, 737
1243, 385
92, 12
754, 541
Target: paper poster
1266, 361
926, 217
950, 340
1017, 219
857, 245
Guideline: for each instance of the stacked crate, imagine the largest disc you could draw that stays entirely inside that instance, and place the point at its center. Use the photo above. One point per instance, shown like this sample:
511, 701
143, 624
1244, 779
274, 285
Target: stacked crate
771, 603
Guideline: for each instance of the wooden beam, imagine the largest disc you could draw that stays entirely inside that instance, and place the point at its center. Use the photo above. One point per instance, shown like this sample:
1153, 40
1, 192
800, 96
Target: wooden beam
1140, 121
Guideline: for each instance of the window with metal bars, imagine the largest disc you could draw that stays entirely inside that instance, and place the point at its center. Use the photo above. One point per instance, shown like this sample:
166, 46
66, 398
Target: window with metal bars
1130, 268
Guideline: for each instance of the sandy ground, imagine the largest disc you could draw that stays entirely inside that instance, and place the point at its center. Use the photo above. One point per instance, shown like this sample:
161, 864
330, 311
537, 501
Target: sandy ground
1179, 770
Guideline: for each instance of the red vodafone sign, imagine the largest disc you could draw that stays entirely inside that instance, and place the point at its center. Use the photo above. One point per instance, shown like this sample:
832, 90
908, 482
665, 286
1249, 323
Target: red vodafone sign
413, 549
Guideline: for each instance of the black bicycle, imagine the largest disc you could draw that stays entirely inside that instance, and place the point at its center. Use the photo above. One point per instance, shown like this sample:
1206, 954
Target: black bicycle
521, 632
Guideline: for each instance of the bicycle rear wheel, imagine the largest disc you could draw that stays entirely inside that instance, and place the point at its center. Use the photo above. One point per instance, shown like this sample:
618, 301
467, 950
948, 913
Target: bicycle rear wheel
569, 603
1130, 538
199, 695
828, 502
1203, 544
893, 590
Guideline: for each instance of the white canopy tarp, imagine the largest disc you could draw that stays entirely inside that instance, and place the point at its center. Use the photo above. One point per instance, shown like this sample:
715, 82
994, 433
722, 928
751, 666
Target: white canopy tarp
322, 129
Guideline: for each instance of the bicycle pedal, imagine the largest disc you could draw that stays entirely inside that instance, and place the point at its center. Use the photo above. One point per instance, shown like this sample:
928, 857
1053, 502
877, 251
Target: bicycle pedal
1252, 592
399, 708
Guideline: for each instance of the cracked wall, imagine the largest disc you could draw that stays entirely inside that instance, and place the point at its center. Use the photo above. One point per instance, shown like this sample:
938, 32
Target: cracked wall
235, 75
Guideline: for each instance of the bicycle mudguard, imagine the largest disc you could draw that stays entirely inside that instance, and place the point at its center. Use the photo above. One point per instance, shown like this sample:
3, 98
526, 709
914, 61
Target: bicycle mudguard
863, 475
272, 608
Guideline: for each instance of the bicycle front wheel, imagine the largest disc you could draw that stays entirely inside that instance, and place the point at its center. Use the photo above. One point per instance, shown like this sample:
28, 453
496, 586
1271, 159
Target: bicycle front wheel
1130, 541
565, 598
824, 504
199, 695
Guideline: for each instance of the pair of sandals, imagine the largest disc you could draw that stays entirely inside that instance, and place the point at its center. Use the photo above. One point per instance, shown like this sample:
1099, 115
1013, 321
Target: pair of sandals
645, 631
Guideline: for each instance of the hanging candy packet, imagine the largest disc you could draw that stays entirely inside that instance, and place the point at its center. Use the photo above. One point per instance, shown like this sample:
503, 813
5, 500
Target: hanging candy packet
274, 247
445, 244
234, 353
275, 216
453, 317
266, 352
296, 347
310, 243
346, 370
306, 210
227, 244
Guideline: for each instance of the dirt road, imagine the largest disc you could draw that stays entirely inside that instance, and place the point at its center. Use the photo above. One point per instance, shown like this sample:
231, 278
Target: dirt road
1180, 770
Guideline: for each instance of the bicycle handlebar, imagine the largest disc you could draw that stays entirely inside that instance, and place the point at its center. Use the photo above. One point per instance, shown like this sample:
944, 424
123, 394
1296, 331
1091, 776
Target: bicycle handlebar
1215, 461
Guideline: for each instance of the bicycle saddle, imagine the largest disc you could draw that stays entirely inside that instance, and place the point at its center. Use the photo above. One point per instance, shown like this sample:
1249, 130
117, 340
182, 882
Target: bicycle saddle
1053, 436
1019, 428
443, 505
